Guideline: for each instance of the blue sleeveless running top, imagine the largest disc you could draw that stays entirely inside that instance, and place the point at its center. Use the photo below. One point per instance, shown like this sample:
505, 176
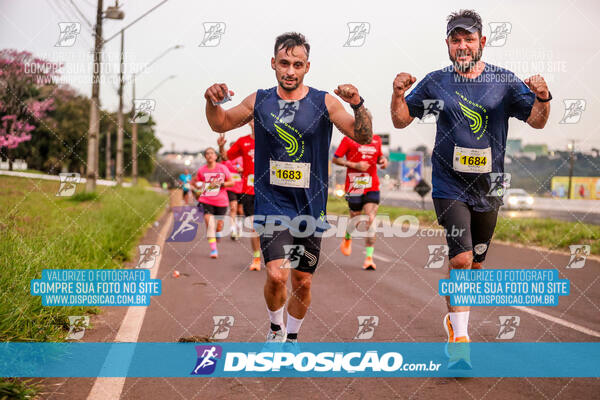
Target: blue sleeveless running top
291, 157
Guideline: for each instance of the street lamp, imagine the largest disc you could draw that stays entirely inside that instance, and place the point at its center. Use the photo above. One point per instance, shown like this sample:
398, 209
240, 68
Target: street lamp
134, 134
119, 161
159, 85
134, 128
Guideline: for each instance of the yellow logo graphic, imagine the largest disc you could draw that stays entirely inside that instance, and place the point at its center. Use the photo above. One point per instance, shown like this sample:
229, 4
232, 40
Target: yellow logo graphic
292, 143
474, 116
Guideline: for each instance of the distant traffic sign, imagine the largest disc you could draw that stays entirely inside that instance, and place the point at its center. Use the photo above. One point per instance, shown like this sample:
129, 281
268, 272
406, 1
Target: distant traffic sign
397, 156
385, 139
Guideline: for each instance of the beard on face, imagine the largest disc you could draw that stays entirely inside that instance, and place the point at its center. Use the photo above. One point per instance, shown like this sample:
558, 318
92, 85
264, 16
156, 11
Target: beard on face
287, 88
468, 65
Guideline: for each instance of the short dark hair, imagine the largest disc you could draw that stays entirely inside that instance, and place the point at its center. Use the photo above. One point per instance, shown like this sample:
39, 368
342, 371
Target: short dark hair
289, 40
209, 148
466, 14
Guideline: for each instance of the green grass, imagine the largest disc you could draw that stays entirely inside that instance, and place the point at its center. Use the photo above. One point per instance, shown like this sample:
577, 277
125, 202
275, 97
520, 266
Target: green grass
338, 206
84, 196
548, 233
41, 231
17, 389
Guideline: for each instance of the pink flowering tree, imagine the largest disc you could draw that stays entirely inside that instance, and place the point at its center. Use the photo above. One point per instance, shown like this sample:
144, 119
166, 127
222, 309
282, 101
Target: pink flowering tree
25, 98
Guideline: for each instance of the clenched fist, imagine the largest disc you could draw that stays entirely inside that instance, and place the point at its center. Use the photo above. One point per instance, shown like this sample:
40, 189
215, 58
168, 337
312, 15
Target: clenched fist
217, 93
402, 82
538, 86
348, 93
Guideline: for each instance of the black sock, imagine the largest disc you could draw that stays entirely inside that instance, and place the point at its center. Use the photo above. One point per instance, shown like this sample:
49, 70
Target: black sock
275, 327
292, 336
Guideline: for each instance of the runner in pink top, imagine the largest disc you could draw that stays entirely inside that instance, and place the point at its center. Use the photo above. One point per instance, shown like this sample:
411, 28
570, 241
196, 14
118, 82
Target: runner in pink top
209, 185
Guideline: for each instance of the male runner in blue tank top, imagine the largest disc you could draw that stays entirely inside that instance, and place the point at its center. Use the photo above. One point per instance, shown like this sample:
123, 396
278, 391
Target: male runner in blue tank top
292, 126
473, 102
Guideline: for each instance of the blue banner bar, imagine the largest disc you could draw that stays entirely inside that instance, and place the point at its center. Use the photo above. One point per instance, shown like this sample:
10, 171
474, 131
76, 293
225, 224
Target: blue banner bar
302, 360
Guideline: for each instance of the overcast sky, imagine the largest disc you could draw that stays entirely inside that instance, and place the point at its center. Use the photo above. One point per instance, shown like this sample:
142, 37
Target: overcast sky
556, 39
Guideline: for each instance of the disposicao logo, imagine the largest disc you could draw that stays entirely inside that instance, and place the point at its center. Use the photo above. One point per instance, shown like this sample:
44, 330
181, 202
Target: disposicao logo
207, 359
318, 362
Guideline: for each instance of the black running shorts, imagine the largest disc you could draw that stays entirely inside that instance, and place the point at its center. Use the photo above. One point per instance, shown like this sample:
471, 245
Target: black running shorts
466, 229
247, 202
214, 210
302, 253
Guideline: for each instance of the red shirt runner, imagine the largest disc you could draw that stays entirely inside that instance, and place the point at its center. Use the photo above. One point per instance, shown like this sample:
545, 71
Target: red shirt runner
236, 176
356, 180
244, 147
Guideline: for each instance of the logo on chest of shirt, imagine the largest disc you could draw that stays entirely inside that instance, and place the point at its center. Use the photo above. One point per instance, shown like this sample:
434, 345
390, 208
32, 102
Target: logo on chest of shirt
367, 151
475, 113
294, 146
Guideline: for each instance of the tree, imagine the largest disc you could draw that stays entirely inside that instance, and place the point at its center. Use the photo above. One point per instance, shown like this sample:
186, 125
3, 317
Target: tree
58, 144
148, 145
24, 96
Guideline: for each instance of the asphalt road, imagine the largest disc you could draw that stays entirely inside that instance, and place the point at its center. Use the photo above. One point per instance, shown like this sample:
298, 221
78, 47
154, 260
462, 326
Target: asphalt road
401, 292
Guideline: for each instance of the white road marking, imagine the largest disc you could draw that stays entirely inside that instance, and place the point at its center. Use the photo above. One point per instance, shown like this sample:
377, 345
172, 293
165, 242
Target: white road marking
101, 182
111, 388
558, 321
378, 257
381, 258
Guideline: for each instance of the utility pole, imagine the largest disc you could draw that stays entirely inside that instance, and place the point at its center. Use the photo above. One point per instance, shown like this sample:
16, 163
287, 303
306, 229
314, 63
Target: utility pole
120, 117
92, 150
108, 174
119, 160
134, 137
571, 165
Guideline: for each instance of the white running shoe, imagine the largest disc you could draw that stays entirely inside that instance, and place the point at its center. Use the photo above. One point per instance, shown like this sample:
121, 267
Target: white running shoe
277, 336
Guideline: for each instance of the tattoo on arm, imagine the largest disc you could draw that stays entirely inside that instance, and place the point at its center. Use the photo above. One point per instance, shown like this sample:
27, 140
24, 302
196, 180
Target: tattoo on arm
363, 126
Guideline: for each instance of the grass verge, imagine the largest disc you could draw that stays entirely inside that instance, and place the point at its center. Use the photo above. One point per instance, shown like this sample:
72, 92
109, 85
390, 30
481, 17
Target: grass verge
41, 231
548, 233
15, 389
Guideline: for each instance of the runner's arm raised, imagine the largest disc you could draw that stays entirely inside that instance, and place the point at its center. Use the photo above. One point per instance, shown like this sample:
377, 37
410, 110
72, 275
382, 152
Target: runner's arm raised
400, 115
221, 142
358, 127
221, 120
540, 110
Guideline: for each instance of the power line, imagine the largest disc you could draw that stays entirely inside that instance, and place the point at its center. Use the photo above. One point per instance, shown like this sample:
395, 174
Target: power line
68, 17
136, 20
62, 15
80, 13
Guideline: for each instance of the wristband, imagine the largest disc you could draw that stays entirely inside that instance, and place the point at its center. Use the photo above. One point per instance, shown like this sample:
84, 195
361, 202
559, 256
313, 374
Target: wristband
546, 100
359, 105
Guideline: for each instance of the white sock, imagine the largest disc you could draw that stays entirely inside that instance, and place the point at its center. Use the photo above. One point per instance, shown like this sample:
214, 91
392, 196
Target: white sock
276, 317
460, 323
293, 324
